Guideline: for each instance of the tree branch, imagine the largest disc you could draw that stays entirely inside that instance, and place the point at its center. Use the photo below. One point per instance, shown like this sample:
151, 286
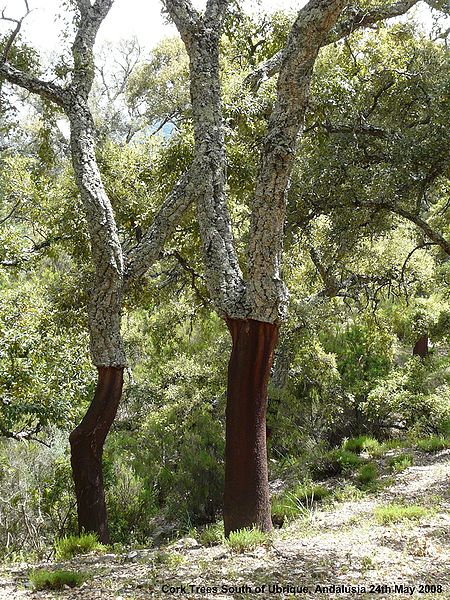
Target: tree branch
91, 17
184, 15
15, 31
267, 293
419, 247
356, 20
431, 233
194, 276
45, 89
24, 434
215, 11
164, 223
201, 36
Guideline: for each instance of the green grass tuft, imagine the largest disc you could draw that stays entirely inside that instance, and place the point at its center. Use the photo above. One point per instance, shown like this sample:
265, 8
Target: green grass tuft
348, 493
72, 545
211, 535
297, 502
401, 462
56, 580
394, 513
171, 559
363, 443
367, 474
247, 539
433, 443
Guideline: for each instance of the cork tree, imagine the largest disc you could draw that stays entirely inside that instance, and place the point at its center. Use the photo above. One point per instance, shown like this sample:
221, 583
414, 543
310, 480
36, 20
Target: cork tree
252, 298
113, 270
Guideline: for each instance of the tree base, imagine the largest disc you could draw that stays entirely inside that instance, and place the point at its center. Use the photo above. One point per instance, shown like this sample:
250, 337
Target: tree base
246, 498
86, 444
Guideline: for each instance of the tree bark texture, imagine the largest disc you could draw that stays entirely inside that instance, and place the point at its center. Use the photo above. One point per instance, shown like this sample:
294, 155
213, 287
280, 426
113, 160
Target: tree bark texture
421, 347
267, 293
201, 36
86, 444
246, 498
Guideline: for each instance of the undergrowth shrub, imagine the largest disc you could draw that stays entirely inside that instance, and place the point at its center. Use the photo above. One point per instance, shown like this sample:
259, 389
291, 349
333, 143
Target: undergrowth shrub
56, 580
37, 499
414, 396
130, 496
72, 545
394, 513
433, 443
334, 463
246, 539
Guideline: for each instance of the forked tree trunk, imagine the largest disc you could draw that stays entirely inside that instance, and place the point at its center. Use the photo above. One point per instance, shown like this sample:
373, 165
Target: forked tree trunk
86, 442
421, 346
246, 498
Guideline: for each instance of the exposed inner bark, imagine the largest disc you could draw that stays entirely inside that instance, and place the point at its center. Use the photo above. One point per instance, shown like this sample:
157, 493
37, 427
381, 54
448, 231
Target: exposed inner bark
246, 499
421, 346
86, 442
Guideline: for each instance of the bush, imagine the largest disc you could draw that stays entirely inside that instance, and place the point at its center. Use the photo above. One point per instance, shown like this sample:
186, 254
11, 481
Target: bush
394, 513
246, 539
433, 444
56, 580
334, 463
36, 496
174, 457
401, 462
72, 545
130, 497
415, 396
306, 406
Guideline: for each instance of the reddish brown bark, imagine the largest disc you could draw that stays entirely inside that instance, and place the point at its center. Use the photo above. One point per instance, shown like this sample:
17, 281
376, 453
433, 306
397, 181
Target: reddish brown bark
86, 442
421, 346
246, 498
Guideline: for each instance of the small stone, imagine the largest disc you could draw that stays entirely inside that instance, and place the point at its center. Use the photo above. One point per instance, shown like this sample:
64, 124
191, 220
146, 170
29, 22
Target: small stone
187, 543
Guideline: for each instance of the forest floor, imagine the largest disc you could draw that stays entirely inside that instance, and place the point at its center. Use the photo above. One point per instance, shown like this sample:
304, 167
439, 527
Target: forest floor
338, 544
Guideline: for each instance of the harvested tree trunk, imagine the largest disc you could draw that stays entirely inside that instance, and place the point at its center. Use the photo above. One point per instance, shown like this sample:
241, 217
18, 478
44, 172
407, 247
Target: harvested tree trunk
246, 498
86, 443
421, 347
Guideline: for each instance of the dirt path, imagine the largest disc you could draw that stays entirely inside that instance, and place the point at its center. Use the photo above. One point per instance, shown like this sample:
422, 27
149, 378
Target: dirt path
340, 545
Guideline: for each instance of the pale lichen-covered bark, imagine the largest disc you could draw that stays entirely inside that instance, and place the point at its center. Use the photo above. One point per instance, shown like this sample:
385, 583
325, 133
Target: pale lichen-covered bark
167, 218
107, 256
263, 296
267, 294
105, 298
201, 34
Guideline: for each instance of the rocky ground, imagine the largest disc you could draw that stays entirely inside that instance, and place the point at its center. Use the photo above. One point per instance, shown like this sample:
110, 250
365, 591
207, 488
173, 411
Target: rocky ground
340, 544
